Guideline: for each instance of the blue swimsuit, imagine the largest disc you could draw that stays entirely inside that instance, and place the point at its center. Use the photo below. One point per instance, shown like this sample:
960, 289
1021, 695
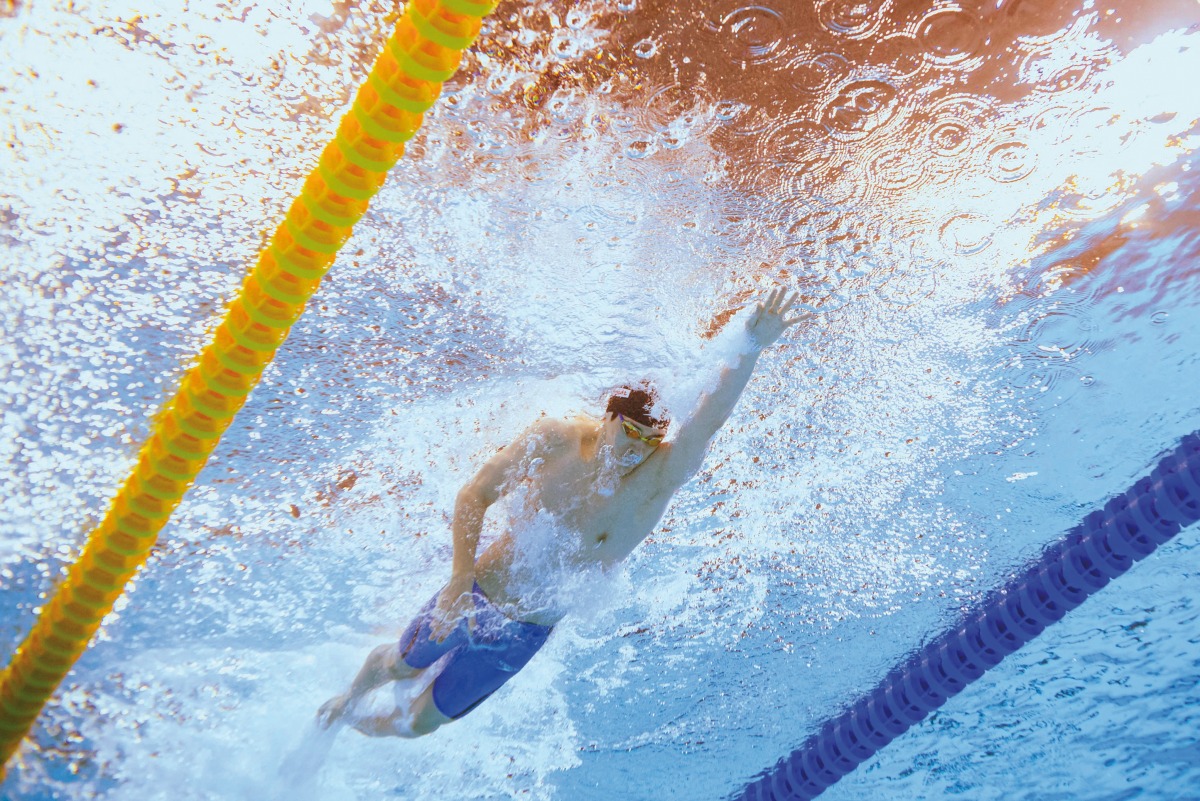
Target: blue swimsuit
481, 659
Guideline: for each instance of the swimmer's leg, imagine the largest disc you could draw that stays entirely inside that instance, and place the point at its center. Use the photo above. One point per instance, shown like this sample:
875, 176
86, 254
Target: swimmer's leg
383, 665
418, 719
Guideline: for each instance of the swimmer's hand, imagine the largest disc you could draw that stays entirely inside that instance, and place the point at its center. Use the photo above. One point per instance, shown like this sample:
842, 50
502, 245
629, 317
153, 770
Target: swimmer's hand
332, 710
455, 603
769, 319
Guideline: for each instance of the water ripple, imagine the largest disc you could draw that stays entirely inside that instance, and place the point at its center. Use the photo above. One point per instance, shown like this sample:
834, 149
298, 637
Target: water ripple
742, 120
1064, 60
966, 233
855, 19
960, 118
805, 218
951, 37
860, 108
1052, 123
909, 283
667, 106
897, 167
815, 75
958, 125
751, 35
1012, 159
798, 145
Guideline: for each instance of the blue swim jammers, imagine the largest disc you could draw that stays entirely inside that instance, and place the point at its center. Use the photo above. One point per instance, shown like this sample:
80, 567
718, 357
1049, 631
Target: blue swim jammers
480, 660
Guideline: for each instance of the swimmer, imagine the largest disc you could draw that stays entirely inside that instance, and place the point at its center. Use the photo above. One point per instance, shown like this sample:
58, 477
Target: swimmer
608, 479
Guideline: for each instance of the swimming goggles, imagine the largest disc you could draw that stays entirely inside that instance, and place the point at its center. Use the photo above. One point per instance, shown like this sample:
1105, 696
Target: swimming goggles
632, 432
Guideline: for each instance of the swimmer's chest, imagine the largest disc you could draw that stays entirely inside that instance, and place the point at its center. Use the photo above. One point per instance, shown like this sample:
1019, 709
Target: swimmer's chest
611, 520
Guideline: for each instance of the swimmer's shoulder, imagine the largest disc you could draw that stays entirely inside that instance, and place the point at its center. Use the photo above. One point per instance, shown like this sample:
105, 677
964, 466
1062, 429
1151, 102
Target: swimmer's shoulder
556, 434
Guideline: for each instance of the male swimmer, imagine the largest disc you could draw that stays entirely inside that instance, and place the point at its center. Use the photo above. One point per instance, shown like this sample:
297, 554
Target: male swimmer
608, 480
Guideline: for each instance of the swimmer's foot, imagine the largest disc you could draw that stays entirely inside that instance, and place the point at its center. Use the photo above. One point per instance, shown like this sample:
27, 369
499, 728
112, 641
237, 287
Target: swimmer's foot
332, 711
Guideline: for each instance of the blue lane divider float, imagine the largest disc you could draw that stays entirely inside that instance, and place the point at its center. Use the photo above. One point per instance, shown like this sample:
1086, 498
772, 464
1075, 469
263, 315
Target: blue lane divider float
1130, 527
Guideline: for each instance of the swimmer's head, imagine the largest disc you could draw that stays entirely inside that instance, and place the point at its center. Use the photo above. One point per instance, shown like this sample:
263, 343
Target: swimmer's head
632, 432
636, 403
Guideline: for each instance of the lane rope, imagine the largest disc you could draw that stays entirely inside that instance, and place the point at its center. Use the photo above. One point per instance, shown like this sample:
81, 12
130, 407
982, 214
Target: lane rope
424, 50
1106, 544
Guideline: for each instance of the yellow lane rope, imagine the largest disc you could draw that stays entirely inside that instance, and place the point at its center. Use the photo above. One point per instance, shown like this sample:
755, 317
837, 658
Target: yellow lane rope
424, 50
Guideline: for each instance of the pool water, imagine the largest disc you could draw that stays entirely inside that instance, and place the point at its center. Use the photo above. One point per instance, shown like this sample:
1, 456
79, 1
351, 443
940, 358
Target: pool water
990, 209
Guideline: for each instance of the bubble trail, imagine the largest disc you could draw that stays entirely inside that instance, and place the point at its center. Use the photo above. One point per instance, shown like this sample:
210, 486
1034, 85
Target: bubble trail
1105, 545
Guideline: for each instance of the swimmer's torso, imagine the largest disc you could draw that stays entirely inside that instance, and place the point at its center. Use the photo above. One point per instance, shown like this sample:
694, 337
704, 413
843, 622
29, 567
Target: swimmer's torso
601, 513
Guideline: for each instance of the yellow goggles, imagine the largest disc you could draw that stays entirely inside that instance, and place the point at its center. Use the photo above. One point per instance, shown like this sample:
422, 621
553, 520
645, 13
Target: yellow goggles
632, 432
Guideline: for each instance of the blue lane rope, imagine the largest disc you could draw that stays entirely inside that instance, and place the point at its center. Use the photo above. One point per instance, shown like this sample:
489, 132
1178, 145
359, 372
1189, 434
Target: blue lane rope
1106, 544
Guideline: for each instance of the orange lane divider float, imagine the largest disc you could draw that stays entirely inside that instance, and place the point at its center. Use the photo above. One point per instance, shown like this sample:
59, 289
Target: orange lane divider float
424, 51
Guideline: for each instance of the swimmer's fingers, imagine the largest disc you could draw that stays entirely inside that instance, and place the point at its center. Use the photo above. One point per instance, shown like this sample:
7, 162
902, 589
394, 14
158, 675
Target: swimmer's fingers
784, 301
442, 618
771, 319
438, 630
787, 307
762, 307
448, 614
778, 301
442, 627
467, 615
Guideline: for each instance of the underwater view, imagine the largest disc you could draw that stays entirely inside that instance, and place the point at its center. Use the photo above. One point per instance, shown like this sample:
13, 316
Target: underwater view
989, 211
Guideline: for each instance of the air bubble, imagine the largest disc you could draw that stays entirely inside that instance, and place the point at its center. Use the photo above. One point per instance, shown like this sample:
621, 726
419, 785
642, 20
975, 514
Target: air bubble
639, 149
667, 109
727, 110
646, 48
577, 19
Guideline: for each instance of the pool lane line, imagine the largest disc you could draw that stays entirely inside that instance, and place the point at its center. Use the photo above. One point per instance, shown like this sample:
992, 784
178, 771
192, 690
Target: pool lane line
1106, 544
424, 50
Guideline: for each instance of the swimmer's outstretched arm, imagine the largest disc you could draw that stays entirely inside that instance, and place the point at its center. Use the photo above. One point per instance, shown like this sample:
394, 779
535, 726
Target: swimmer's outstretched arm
763, 328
